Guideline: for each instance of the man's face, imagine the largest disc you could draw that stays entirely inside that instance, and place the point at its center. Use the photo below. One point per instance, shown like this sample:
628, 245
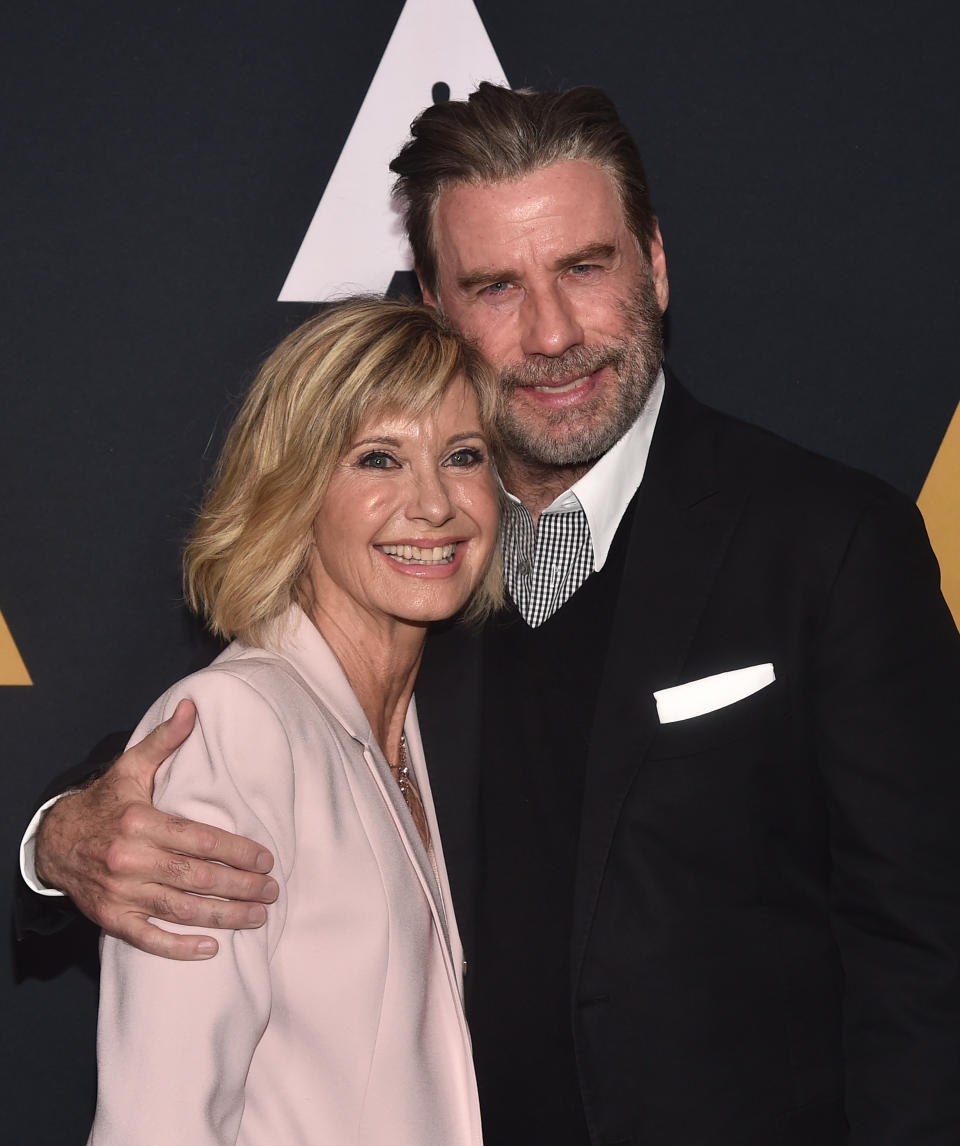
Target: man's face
547, 278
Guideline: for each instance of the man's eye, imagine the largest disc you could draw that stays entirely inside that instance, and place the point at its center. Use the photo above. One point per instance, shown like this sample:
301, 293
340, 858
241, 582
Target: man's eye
467, 456
583, 269
495, 288
377, 460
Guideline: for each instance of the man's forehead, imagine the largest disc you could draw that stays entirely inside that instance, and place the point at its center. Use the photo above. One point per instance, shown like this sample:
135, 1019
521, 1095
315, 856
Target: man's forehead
574, 203
582, 175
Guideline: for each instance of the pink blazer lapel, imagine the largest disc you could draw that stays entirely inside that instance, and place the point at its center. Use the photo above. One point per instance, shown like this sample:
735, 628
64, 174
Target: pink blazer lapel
310, 660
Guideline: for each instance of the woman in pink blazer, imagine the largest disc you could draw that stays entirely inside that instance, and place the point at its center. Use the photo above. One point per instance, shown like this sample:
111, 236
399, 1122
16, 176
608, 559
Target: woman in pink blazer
355, 502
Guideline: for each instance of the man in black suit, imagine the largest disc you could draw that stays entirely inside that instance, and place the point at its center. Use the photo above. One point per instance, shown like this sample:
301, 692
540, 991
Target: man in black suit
698, 786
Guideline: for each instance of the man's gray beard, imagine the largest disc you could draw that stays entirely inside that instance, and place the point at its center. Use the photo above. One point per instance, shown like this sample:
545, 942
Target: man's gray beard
636, 358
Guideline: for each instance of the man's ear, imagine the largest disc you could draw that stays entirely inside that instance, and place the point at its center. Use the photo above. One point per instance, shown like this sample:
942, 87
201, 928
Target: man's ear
428, 296
658, 268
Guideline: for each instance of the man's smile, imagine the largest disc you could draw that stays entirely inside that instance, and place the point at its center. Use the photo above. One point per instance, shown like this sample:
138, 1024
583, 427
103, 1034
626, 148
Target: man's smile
562, 387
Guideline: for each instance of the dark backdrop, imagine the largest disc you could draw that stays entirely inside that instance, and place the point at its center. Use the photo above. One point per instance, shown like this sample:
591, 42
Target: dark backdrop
163, 165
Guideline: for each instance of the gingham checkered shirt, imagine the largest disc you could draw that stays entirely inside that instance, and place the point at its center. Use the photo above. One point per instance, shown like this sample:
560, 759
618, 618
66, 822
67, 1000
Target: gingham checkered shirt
544, 565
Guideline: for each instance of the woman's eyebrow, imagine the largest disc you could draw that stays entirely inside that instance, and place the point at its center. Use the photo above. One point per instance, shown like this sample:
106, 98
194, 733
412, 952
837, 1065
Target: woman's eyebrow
467, 436
392, 442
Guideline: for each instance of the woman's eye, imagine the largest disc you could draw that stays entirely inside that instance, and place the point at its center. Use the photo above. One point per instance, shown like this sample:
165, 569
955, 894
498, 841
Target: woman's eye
467, 456
377, 460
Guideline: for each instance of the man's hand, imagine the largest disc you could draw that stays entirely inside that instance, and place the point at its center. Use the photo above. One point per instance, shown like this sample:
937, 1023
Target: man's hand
120, 860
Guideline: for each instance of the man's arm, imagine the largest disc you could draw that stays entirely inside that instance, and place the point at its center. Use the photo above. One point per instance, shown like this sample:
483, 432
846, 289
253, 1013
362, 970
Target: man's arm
889, 727
121, 861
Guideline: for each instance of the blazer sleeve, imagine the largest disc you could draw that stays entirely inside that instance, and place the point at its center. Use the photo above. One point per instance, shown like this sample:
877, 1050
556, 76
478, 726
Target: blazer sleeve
888, 717
175, 1040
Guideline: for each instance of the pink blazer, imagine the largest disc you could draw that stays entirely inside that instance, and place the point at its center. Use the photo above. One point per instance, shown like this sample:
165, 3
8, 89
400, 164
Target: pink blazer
341, 1020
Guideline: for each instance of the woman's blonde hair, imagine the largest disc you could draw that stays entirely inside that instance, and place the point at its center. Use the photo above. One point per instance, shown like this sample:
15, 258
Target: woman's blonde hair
246, 556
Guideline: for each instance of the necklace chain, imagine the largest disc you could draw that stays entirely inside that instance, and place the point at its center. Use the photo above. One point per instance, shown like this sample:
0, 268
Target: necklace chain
402, 771
408, 789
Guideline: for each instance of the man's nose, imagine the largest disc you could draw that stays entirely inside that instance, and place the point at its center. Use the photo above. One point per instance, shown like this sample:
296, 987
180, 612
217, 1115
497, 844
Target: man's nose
549, 323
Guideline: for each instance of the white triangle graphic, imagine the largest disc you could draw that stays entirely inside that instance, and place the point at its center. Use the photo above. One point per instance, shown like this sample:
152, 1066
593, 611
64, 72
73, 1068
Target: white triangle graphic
355, 241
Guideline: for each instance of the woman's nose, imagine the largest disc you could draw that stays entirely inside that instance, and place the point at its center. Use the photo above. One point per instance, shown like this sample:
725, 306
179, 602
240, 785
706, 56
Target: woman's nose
430, 499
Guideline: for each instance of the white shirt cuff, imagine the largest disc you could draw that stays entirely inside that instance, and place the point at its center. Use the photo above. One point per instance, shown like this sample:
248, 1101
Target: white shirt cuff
28, 847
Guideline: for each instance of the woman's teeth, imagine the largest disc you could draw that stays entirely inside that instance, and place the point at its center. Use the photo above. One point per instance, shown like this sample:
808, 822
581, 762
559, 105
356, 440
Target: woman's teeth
414, 555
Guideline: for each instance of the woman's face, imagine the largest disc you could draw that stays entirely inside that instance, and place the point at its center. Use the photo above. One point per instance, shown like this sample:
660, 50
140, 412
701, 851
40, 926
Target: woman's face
409, 520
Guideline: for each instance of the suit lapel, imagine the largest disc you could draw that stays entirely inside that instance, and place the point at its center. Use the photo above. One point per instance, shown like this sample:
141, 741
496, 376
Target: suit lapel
682, 522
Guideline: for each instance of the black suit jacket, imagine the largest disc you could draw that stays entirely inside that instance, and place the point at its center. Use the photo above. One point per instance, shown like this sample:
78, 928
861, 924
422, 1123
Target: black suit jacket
766, 926
766, 920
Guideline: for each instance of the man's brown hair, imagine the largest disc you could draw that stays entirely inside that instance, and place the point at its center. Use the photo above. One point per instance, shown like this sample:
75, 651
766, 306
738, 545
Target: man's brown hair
498, 135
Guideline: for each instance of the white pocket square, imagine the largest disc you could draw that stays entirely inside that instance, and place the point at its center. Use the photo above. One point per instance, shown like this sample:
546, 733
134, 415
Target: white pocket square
711, 692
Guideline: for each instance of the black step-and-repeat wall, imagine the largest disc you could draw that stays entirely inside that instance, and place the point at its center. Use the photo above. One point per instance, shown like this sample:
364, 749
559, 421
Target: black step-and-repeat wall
163, 165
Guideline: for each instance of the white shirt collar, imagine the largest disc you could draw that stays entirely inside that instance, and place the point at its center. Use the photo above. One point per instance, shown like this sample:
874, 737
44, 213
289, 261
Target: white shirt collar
606, 488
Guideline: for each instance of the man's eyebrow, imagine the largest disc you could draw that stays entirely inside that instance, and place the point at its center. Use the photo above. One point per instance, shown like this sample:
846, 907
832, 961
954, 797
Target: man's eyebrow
484, 276
588, 254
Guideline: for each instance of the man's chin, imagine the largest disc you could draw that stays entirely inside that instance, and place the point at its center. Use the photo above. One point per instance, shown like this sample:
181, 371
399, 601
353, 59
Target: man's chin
567, 437
562, 447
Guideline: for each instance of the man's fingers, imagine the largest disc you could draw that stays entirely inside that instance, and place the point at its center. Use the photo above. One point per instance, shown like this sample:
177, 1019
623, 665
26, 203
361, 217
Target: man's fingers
174, 730
182, 910
202, 878
138, 932
208, 843
198, 911
122, 861
131, 922
146, 757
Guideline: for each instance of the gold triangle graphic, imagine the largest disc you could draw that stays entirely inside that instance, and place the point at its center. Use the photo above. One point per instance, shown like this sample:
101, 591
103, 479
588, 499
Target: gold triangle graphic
939, 502
12, 668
